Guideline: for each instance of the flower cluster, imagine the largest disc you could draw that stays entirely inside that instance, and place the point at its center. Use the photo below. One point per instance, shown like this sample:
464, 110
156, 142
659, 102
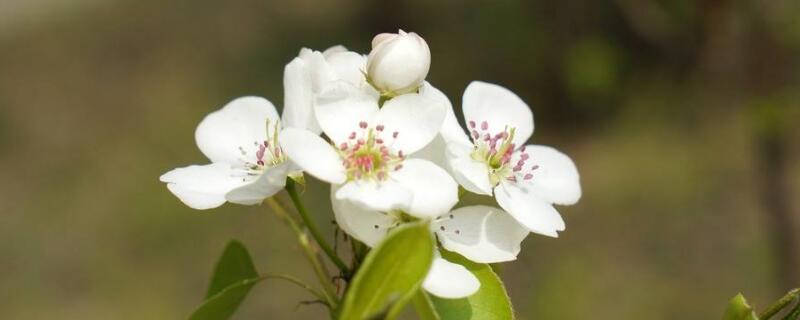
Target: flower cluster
389, 144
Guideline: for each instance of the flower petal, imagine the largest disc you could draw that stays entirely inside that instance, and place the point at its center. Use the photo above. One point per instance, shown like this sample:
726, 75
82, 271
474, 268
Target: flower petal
334, 49
365, 225
416, 118
528, 209
240, 123
298, 110
202, 186
499, 107
382, 196
451, 131
321, 72
471, 174
348, 66
313, 154
481, 233
269, 183
450, 280
556, 178
434, 152
434, 191
341, 107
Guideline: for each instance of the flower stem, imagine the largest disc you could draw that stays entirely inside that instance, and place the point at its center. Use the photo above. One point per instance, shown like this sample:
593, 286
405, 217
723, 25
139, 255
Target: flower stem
320, 295
329, 293
780, 304
291, 188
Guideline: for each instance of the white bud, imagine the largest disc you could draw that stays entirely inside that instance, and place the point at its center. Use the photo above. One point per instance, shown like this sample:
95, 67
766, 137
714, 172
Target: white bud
398, 63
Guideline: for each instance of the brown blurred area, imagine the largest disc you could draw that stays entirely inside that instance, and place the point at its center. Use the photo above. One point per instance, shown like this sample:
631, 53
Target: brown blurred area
679, 114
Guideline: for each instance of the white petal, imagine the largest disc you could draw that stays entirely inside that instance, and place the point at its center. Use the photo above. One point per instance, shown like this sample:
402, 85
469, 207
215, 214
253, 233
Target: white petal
298, 111
449, 280
480, 233
451, 131
471, 174
528, 209
240, 123
382, 196
348, 66
269, 183
334, 49
434, 152
416, 119
202, 187
499, 107
367, 226
556, 179
341, 107
313, 154
321, 72
434, 191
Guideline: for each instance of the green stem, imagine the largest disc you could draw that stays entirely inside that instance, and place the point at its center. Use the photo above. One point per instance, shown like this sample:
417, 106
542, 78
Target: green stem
780, 304
794, 314
298, 282
424, 306
291, 188
329, 292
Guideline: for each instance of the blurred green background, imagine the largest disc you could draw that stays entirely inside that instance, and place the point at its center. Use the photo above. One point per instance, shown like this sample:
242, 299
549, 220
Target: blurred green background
681, 116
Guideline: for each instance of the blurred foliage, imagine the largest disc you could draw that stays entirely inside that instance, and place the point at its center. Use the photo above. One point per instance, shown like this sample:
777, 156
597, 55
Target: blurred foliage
659, 103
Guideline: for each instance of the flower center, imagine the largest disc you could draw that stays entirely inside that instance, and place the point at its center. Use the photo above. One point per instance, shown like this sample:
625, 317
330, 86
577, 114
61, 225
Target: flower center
267, 153
395, 218
366, 155
497, 150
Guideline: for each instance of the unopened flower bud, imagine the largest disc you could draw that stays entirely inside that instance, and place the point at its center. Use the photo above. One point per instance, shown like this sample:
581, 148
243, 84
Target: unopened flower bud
398, 63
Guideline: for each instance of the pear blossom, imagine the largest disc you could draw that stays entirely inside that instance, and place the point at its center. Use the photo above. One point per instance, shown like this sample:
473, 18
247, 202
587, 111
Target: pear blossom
493, 159
480, 233
247, 164
368, 154
398, 62
309, 73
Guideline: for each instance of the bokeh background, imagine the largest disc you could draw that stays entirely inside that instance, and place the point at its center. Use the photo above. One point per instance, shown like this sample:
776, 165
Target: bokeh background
681, 116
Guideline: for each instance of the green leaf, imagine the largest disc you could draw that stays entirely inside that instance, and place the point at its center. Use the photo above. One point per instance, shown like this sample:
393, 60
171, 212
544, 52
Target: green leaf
738, 309
424, 305
490, 302
233, 278
391, 274
233, 266
222, 305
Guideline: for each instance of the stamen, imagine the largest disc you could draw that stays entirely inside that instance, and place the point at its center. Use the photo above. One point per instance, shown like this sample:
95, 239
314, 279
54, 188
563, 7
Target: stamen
267, 154
366, 154
497, 149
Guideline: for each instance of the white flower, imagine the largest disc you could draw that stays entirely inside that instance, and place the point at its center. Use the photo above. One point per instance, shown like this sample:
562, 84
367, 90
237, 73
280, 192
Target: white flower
398, 62
369, 156
526, 180
479, 233
247, 164
309, 73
